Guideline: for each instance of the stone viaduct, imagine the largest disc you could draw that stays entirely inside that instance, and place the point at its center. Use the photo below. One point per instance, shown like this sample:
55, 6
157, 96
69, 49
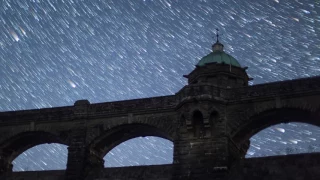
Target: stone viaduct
210, 122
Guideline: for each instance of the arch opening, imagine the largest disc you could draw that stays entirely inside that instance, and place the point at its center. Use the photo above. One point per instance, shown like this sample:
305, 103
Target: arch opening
138, 133
283, 124
42, 157
23, 151
140, 151
285, 139
272, 117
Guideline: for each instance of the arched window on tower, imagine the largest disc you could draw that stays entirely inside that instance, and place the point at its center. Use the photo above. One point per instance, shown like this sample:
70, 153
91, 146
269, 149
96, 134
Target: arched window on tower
214, 118
198, 125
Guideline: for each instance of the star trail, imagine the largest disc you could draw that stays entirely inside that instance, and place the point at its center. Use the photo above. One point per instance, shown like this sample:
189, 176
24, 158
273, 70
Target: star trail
55, 52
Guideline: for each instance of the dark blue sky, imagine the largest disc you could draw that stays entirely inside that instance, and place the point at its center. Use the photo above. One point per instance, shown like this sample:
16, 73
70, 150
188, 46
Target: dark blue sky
53, 53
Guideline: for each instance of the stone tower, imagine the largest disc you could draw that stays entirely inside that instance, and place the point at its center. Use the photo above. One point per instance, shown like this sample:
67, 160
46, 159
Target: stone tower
204, 140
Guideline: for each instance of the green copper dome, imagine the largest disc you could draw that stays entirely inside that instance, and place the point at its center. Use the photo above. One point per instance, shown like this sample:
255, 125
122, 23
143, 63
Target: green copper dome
218, 56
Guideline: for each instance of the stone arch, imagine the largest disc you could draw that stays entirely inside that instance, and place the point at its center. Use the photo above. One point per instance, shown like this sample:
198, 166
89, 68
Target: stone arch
168, 123
119, 134
240, 116
15, 145
270, 117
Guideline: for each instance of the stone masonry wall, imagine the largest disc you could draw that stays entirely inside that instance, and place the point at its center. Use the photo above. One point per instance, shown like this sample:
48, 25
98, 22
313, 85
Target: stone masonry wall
34, 175
155, 172
290, 167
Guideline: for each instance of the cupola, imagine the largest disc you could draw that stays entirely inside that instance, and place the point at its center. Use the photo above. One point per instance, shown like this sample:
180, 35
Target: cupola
219, 69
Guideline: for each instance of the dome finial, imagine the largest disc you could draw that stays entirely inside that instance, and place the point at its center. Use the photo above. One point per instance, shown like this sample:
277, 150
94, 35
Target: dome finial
217, 34
217, 46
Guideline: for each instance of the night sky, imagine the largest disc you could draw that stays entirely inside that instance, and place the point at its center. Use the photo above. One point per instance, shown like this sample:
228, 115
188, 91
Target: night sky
55, 52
